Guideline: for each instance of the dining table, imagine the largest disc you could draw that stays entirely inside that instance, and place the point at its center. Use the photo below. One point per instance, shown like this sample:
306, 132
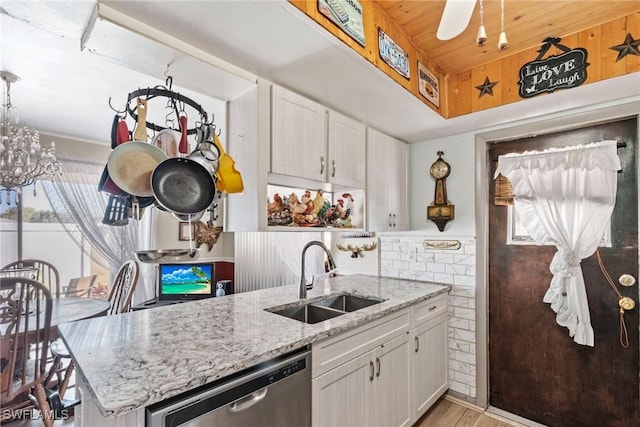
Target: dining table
70, 309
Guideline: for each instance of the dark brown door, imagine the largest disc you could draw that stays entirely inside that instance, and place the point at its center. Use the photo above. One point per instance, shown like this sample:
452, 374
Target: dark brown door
535, 369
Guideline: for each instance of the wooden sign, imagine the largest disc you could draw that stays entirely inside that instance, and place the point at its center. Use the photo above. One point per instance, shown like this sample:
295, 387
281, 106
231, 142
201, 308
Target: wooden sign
346, 14
564, 71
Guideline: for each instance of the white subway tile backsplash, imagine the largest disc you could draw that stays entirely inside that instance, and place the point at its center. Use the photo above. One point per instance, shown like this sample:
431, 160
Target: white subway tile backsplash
453, 267
443, 258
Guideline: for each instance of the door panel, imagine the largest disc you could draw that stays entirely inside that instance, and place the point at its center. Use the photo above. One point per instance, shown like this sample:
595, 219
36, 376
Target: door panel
535, 369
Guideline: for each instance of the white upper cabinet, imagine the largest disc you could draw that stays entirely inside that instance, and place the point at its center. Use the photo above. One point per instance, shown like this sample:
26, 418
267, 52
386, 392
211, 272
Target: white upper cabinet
387, 183
347, 151
309, 141
299, 135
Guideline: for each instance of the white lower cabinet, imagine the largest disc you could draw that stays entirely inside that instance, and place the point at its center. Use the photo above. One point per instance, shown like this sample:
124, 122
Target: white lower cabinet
385, 373
429, 371
370, 390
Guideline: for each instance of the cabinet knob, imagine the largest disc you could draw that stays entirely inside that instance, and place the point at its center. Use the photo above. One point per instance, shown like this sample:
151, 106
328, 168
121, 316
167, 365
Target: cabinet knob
321, 165
390, 221
372, 371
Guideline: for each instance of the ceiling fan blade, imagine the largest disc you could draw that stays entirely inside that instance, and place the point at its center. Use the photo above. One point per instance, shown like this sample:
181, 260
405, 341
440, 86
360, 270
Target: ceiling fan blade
455, 18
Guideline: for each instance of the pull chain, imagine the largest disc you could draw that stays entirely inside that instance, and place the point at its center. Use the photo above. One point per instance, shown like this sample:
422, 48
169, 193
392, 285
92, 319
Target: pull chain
624, 336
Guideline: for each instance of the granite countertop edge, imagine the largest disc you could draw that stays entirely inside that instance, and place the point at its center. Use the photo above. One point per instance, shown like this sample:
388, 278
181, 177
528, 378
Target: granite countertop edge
120, 356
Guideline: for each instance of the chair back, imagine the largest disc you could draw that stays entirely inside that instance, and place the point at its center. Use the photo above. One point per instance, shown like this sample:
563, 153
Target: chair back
46, 273
25, 323
123, 286
80, 286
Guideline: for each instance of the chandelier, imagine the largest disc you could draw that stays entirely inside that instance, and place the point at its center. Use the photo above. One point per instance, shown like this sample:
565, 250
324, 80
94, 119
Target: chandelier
22, 159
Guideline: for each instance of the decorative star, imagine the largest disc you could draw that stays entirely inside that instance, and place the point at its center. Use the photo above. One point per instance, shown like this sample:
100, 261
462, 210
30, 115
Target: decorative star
207, 234
486, 87
629, 47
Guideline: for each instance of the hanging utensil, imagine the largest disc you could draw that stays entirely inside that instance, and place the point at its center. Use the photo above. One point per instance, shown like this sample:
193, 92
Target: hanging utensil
229, 178
184, 144
140, 133
130, 167
182, 186
114, 131
123, 132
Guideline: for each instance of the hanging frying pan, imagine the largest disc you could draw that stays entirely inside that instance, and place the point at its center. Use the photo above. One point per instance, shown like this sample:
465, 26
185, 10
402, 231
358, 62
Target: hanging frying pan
183, 186
130, 166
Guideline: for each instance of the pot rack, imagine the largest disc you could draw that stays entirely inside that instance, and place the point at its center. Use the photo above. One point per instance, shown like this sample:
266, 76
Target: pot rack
175, 101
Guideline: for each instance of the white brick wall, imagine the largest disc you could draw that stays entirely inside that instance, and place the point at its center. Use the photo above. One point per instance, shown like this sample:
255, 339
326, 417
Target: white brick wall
405, 257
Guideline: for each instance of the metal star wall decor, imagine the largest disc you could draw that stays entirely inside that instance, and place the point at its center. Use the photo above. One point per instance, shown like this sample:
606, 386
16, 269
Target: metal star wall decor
486, 87
629, 47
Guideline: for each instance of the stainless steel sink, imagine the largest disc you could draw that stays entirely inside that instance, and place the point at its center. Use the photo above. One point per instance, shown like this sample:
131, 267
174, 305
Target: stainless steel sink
347, 302
326, 308
309, 313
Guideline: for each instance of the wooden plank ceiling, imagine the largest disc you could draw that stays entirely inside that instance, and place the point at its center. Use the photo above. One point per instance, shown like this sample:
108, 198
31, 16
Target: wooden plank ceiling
527, 23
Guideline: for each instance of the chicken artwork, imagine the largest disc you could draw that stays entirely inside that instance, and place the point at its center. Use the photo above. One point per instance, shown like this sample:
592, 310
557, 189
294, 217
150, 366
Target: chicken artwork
310, 210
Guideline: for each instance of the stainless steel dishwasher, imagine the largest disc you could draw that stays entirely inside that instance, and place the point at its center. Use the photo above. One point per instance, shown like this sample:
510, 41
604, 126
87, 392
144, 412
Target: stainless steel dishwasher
274, 393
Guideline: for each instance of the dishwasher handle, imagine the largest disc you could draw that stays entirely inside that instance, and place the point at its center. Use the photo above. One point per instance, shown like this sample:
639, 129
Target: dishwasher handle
249, 400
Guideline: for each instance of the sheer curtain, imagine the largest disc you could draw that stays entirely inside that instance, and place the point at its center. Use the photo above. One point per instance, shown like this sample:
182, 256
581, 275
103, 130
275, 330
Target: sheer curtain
78, 205
566, 197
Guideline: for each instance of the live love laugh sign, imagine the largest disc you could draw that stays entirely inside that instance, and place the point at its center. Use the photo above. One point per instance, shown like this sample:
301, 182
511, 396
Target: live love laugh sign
564, 71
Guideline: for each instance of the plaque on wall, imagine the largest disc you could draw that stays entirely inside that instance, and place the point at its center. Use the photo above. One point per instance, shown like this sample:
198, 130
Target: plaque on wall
393, 54
346, 14
428, 85
564, 71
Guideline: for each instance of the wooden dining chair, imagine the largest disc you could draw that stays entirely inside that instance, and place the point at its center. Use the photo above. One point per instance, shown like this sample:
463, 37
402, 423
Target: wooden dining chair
25, 327
120, 298
80, 286
122, 288
46, 273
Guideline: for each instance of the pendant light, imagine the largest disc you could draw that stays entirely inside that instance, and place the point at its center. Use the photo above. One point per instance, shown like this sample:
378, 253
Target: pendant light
502, 41
482, 33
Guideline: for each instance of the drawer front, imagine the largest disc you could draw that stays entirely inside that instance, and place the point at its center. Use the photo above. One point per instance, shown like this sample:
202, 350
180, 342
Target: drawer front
429, 309
334, 351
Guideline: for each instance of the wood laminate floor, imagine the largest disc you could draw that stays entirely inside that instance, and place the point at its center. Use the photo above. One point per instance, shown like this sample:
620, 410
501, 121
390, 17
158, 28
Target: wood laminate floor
446, 413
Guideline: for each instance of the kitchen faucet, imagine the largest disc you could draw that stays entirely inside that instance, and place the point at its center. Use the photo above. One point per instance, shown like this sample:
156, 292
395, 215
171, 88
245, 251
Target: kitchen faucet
303, 281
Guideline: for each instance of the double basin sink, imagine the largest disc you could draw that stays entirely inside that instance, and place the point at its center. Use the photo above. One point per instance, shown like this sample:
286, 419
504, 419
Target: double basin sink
326, 308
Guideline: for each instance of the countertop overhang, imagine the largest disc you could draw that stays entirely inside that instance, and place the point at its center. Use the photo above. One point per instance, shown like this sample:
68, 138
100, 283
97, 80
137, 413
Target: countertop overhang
133, 360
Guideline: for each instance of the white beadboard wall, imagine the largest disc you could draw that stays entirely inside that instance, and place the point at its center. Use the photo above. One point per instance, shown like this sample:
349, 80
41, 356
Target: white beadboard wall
405, 257
268, 259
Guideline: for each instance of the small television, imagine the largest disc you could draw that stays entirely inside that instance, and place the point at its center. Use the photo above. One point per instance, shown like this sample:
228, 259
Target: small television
187, 281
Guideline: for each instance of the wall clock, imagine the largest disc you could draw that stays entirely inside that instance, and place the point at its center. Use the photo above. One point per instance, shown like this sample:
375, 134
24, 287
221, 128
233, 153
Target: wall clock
440, 211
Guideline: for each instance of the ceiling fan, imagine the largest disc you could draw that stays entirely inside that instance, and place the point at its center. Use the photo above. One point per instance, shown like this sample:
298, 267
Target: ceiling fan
455, 18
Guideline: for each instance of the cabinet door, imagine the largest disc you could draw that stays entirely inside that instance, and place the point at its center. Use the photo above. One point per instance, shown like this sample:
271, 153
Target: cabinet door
299, 136
347, 151
378, 214
343, 396
399, 185
392, 404
429, 367
387, 183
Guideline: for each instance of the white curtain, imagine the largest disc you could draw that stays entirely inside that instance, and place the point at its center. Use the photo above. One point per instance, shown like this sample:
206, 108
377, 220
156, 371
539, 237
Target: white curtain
78, 205
566, 197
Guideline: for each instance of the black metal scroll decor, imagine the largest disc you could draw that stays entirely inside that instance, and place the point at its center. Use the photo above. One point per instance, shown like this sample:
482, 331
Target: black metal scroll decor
564, 71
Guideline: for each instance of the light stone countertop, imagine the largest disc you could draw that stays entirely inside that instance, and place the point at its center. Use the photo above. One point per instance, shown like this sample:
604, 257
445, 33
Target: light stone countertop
139, 358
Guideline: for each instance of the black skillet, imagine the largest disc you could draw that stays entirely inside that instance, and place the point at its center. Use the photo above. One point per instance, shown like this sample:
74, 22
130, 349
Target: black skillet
182, 186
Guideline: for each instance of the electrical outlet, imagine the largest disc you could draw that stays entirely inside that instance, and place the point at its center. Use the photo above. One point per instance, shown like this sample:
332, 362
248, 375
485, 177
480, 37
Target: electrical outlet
412, 253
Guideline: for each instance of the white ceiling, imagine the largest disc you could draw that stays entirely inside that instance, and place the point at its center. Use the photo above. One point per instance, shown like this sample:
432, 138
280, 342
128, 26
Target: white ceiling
65, 90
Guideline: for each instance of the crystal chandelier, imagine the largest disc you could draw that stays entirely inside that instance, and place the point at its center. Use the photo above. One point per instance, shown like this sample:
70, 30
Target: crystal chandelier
22, 159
